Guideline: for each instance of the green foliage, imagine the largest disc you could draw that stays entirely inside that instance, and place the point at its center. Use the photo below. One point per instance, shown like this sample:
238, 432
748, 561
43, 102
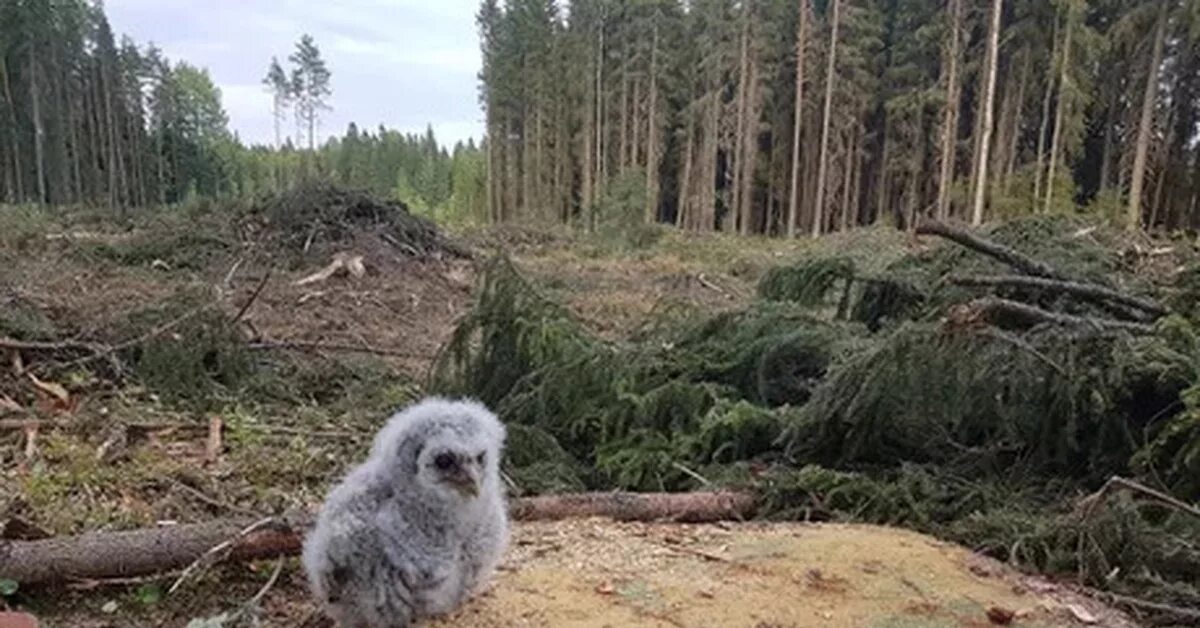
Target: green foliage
201, 357
194, 251
976, 434
619, 214
8, 588
808, 282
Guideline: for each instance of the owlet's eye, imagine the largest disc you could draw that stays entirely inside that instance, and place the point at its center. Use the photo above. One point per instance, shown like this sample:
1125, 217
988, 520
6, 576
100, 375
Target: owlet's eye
479, 459
443, 462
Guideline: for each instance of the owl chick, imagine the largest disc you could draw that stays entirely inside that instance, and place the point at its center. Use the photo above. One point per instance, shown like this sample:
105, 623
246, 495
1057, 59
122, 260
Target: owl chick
417, 528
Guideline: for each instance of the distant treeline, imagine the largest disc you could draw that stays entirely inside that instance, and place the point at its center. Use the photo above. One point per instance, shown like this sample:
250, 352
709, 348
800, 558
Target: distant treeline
782, 116
87, 120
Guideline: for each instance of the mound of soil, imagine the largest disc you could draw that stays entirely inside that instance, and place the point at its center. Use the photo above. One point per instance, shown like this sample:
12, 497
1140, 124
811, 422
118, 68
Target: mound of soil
319, 213
596, 573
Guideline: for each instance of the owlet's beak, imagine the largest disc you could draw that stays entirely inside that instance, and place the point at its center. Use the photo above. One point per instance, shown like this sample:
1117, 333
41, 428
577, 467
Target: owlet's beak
465, 483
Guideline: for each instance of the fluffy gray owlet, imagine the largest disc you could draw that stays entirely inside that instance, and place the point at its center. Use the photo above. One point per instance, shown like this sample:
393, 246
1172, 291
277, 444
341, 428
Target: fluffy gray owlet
417, 528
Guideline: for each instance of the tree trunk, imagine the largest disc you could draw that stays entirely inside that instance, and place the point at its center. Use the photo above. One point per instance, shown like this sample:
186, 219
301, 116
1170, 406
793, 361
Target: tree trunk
39, 131
708, 165
1014, 136
797, 119
989, 102
1047, 98
1060, 112
950, 116
823, 158
749, 161
1133, 216
1107, 155
18, 187
882, 203
739, 138
598, 180
685, 212
623, 157
131, 553
652, 135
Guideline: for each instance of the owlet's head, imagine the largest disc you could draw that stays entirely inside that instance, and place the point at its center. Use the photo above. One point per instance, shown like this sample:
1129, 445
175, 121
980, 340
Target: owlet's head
449, 449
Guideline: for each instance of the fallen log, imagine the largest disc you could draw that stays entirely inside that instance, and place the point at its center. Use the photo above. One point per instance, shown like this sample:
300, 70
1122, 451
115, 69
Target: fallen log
993, 310
1086, 291
1014, 259
125, 554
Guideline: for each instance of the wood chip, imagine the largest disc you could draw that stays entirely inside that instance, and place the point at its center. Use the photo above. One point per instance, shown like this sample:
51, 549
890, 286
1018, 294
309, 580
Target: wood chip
1082, 614
212, 448
51, 388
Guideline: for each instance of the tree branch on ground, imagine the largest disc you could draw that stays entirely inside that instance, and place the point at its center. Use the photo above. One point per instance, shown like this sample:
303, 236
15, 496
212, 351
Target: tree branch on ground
1086, 291
1014, 259
124, 554
993, 309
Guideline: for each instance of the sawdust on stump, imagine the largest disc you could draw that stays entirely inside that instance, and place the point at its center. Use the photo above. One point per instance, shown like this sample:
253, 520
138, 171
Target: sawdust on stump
595, 573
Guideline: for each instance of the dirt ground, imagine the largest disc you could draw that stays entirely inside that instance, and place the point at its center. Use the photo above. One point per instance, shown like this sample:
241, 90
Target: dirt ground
273, 457
594, 574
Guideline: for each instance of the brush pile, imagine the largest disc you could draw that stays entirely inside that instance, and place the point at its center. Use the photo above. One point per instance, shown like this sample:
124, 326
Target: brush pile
976, 390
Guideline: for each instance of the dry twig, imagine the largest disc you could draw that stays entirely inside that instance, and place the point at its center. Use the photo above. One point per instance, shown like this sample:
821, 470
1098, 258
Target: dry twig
1089, 504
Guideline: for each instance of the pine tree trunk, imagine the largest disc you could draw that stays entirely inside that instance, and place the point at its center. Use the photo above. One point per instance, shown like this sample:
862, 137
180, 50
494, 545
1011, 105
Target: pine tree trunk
708, 170
1014, 135
1059, 114
823, 158
797, 120
989, 102
623, 147
847, 178
1107, 155
1133, 216
749, 161
950, 115
740, 219
598, 180
685, 213
652, 135
883, 202
18, 187
39, 132
1043, 127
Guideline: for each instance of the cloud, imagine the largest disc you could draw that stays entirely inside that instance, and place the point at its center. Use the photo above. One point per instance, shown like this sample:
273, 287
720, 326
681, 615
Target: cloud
402, 63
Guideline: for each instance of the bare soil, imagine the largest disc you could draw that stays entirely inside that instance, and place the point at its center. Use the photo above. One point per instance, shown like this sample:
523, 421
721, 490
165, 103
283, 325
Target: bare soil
575, 573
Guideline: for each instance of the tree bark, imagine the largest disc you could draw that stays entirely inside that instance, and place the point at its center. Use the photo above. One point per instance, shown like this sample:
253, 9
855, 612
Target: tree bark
1007, 256
740, 219
1015, 132
797, 119
823, 159
132, 553
1086, 291
39, 131
950, 116
1047, 98
1133, 214
1059, 113
652, 135
18, 186
989, 102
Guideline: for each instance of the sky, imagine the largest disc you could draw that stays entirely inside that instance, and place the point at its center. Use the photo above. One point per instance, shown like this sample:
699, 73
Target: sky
400, 63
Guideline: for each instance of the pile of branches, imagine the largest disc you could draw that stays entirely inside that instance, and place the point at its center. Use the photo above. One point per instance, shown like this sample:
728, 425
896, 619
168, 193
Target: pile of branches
973, 391
317, 213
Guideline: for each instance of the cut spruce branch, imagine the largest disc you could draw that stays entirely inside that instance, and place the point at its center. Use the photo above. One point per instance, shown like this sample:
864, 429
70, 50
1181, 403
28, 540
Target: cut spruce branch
995, 310
1089, 504
102, 555
1014, 259
1086, 291
312, 346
